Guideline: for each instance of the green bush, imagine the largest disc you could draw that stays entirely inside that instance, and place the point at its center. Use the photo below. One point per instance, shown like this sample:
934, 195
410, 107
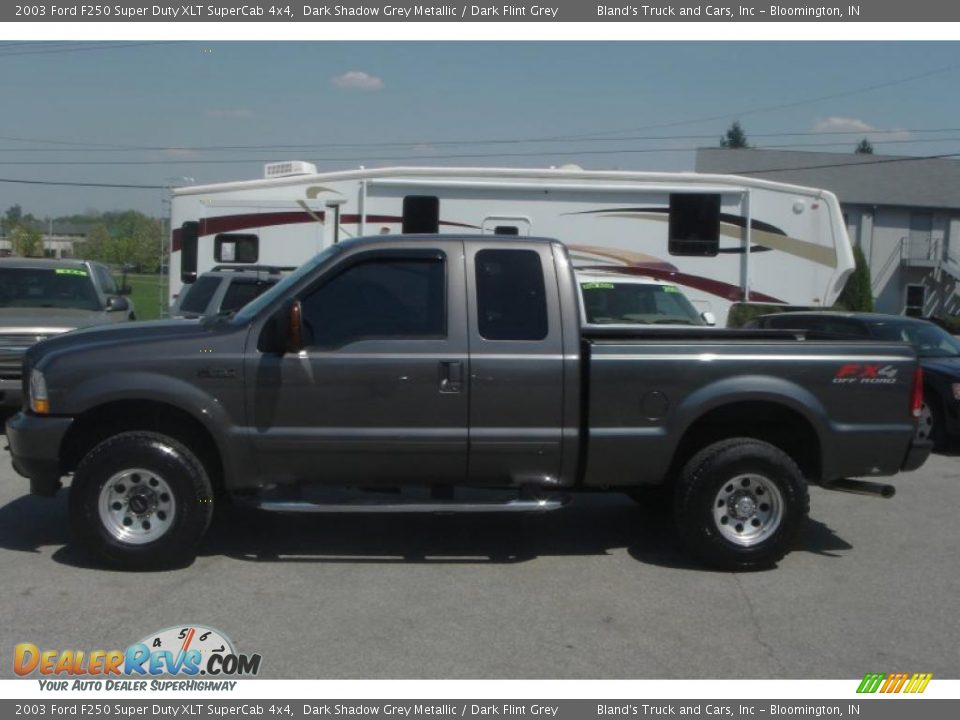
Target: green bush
857, 295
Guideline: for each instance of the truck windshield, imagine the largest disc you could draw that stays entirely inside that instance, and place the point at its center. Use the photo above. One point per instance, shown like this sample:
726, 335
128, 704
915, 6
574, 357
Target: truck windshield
65, 288
252, 309
610, 302
927, 339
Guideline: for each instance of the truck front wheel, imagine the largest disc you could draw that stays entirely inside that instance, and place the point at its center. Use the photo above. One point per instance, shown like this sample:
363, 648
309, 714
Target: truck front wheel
740, 503
140, 500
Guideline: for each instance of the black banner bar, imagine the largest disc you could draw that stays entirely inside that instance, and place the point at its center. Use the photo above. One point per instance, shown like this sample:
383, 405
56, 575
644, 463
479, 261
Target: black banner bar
547, 11
194, 708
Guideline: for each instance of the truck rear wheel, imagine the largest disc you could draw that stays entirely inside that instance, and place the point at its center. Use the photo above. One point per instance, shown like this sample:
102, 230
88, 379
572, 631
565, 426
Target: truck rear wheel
140, 500
740, 504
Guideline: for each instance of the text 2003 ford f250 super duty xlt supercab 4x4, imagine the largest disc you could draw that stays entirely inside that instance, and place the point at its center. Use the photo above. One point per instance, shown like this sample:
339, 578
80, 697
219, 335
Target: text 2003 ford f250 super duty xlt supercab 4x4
448, 373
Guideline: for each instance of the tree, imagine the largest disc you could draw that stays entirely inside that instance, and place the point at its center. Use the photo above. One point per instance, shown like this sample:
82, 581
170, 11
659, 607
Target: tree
735, 137
11, 218
26, 241
857, 295
95, 245
864, 148
124, 238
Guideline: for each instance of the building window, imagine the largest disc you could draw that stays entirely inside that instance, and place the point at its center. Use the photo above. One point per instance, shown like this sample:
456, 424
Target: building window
694, 224
236, 248
915, 300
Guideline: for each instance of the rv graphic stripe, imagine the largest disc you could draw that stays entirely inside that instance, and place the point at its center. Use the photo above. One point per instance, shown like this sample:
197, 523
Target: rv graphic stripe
247, 221
737, 220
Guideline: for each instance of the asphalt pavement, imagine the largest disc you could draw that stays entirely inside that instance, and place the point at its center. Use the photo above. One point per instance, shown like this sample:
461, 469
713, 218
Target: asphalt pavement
600, 589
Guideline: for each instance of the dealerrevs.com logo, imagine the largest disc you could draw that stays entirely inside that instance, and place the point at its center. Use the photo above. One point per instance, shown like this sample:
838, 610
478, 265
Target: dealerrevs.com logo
180, 651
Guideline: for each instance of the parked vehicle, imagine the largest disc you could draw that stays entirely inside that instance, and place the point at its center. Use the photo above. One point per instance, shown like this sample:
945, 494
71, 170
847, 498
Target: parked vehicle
452, 374
720, 238
225, 289
40, 298
938, 350
610, 298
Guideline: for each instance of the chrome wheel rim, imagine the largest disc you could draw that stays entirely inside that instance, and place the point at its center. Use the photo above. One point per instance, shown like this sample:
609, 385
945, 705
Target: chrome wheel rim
748, 509
136, 506
925, 422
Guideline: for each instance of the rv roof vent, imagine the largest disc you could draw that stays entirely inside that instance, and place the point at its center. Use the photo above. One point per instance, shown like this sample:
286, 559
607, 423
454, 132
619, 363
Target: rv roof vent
288, 168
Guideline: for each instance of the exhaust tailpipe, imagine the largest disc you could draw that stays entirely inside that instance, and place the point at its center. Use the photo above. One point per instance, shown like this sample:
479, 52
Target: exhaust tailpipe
862, 487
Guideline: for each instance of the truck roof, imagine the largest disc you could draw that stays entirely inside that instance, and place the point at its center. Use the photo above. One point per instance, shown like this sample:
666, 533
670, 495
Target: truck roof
41, 263
440, 237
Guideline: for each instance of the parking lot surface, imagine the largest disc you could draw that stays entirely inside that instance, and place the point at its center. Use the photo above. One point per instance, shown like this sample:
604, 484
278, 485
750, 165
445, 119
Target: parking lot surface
600, 589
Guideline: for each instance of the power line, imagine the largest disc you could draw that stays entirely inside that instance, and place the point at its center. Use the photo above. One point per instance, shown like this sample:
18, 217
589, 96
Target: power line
81, 184
81, 47
111, 147
772, 108
882, 161
426, 157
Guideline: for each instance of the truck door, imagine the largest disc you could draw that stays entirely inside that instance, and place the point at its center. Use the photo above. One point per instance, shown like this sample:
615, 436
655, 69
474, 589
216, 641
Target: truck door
379, 393
516, 363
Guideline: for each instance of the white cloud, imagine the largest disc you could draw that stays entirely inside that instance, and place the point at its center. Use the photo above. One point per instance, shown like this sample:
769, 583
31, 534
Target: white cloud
837, 124
357, 80
229, 113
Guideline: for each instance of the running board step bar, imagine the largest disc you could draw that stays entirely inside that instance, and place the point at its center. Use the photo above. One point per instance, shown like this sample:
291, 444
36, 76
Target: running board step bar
520, 505
862, 487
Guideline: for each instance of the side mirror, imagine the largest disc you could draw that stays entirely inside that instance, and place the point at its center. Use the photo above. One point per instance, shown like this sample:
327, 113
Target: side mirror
283, 332
294, 327
709, 318
117, 303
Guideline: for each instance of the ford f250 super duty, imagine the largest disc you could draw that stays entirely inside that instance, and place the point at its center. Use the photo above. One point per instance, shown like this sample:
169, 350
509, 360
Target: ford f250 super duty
451, 373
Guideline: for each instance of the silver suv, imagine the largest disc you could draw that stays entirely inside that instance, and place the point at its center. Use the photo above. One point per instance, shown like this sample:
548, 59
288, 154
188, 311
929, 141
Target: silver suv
225, 289
40, 298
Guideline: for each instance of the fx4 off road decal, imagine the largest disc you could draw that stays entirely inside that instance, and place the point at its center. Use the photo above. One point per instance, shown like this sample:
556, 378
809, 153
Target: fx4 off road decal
855, 374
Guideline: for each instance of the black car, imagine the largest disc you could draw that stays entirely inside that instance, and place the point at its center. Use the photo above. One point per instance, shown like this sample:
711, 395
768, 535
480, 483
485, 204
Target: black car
938, 350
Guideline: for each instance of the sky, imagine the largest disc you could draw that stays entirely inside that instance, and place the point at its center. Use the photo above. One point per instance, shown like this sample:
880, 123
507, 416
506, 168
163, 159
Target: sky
162, 113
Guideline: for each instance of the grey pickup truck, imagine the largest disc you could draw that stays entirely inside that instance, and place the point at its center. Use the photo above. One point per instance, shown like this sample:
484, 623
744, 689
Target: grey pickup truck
451, 374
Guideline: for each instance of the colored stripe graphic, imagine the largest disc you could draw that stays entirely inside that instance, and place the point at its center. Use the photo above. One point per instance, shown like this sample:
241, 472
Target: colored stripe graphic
894, 683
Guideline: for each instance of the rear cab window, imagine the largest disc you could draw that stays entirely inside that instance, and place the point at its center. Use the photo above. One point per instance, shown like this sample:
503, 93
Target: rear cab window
511, 296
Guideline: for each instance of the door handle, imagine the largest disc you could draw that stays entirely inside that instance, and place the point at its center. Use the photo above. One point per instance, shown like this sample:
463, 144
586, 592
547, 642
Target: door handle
451, 376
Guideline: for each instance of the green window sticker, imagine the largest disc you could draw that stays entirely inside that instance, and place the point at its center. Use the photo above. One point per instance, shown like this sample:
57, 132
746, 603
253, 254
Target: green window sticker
70, 271
597, 286
670, 288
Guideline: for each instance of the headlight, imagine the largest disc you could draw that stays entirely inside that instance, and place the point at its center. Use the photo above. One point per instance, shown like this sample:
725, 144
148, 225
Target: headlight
39, 400
956, 391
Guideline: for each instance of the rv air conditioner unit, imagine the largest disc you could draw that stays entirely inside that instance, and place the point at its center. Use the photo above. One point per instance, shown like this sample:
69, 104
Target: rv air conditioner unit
288, 169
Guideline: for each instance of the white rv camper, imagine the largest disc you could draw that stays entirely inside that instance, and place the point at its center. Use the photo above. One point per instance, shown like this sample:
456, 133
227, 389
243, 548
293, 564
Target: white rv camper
723, 238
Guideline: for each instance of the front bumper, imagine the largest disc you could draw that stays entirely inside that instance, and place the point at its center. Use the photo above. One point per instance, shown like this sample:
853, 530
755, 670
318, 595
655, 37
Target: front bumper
35, 448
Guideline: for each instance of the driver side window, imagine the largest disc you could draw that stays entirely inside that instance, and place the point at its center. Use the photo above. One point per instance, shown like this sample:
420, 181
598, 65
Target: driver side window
376, 299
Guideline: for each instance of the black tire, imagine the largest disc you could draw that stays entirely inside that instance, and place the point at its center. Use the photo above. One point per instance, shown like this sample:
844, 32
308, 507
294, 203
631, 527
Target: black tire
708, 475
937, 431
180, 471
